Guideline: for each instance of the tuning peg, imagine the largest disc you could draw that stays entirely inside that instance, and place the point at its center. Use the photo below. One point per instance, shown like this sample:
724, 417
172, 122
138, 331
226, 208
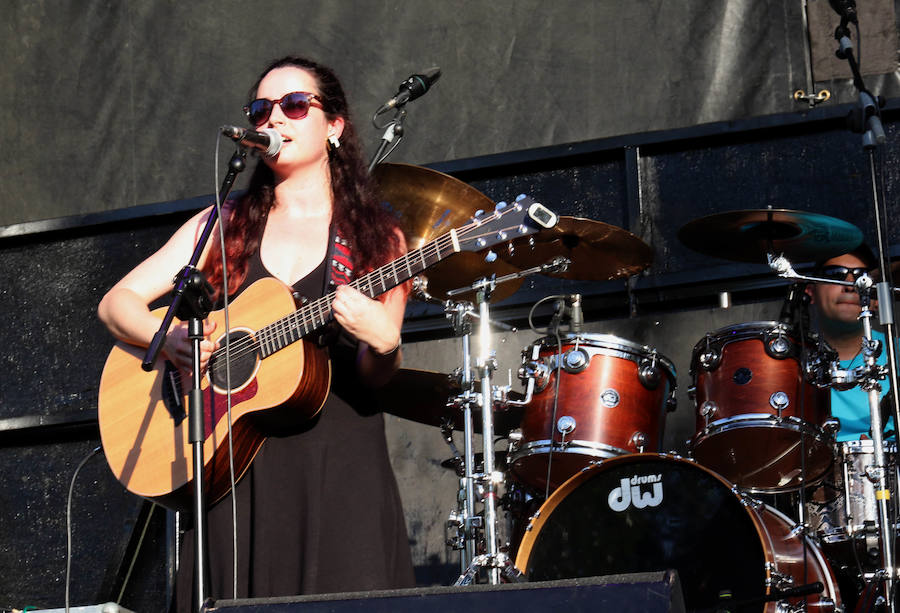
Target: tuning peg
479, 213
500, 206
490, 257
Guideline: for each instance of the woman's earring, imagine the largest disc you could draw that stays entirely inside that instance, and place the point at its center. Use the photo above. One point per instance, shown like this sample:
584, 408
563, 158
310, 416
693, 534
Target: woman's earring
334, 141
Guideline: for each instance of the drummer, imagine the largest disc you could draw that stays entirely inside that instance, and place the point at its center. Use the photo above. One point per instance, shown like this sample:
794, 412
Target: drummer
836, 311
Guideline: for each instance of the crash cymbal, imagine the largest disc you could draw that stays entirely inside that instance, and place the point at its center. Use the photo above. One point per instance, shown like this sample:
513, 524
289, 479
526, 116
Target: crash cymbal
429, 204
423, 396
748, 235
598, 251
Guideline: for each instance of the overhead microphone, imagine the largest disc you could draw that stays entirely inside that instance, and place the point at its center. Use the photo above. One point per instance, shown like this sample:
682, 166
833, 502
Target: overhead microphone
414, 87
268, 140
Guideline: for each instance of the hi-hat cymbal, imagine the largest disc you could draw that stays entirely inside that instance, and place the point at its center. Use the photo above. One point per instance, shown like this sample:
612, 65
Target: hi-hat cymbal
748, 235
429, 204
598, 251
423, 396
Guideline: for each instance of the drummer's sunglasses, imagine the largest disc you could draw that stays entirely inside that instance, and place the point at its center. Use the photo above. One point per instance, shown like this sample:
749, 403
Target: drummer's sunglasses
294, 105
839, 273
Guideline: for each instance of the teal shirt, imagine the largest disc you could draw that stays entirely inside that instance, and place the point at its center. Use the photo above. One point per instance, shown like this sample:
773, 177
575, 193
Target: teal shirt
852, 406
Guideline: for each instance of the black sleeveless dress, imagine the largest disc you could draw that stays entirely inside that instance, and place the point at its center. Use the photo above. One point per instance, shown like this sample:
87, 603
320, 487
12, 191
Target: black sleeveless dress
318, 510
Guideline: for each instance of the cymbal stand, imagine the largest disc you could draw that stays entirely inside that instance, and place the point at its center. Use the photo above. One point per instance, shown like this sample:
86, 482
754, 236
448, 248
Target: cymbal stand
867, 377
865, 119
464, 519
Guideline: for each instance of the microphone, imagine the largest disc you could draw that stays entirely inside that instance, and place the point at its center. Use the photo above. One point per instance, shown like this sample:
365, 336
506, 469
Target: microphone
793, 301
558, 311
414, 87
846, 9
269, 141
576, 315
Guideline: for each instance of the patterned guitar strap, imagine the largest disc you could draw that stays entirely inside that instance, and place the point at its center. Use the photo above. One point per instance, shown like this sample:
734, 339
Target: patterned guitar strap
340, 272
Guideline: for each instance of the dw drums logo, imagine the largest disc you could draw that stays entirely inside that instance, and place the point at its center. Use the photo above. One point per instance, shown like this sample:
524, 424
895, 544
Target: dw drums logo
630, 493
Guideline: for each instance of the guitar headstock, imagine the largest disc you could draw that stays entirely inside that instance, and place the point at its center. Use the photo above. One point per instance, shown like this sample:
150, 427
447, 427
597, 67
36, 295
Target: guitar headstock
506, 222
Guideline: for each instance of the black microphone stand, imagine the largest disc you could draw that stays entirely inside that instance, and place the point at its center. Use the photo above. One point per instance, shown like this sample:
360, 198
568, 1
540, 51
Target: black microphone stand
192, 301
393, 134
866, 120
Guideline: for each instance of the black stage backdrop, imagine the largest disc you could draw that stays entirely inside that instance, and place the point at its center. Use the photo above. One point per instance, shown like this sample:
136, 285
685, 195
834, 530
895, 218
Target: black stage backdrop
112, 104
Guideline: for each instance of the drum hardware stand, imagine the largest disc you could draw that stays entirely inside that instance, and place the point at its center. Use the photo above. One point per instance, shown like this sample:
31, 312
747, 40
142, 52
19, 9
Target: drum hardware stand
464, 519
867, 377
866, 120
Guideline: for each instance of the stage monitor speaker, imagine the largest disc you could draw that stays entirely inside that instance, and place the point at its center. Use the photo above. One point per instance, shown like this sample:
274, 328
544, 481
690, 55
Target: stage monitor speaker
658, 592
107, 607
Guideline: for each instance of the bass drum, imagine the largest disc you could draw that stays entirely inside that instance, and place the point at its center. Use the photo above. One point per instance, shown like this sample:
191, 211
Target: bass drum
651, 512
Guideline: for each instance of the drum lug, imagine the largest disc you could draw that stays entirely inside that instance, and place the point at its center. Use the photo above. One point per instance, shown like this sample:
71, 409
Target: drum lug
566, 425
671, 402
708, 410
648, 373
777, 345
575, 361
831, 426
639, 440
515, 439
779, 401
710, 358
747, 500
537, 370
776, 579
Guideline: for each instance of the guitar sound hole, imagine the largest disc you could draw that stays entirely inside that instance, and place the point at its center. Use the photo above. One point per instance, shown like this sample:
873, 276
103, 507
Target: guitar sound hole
244, 355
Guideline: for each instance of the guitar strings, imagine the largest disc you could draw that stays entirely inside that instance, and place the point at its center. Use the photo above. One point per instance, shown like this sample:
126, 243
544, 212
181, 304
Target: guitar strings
318, 313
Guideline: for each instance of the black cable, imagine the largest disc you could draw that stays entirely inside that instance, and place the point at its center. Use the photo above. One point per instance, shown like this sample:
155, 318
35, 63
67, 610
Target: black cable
93, 452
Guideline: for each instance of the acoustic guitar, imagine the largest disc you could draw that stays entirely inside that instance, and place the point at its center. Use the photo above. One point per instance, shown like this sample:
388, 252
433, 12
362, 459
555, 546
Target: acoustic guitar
277, 376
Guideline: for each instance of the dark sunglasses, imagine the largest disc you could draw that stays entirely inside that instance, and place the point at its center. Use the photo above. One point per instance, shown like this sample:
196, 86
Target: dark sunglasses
294, 105
839, 273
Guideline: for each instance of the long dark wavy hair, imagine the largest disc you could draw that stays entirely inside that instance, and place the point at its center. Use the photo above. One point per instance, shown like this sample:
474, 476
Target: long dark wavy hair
357, 213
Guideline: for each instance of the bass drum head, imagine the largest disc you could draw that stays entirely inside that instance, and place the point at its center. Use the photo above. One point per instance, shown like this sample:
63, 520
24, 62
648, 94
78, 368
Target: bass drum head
644, 513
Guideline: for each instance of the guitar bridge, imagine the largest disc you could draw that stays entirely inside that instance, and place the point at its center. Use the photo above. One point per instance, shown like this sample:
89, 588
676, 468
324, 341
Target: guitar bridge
173, 393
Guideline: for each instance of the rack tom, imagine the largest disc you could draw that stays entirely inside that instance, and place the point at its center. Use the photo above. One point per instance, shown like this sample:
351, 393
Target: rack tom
763, 408
610, 399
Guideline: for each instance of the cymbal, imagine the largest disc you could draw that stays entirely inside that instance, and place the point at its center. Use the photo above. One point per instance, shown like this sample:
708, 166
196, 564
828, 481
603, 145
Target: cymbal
748, 235
429, 204
422, 396
598, 251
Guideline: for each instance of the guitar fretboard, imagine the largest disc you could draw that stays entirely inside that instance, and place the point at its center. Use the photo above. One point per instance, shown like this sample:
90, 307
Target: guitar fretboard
481, 233
315, 315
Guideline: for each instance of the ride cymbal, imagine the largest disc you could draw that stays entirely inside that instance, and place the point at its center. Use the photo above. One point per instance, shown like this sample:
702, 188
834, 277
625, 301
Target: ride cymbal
428, 204
597, 251
748, 235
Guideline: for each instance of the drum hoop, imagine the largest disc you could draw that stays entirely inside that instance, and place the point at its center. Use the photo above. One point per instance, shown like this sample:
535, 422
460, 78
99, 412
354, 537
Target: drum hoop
810, 546
536, 523
574, 446
742, 331
763, 420
865, 446
611, 345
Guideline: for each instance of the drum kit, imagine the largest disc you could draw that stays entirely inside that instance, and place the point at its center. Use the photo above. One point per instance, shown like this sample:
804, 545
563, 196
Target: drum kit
584, 479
